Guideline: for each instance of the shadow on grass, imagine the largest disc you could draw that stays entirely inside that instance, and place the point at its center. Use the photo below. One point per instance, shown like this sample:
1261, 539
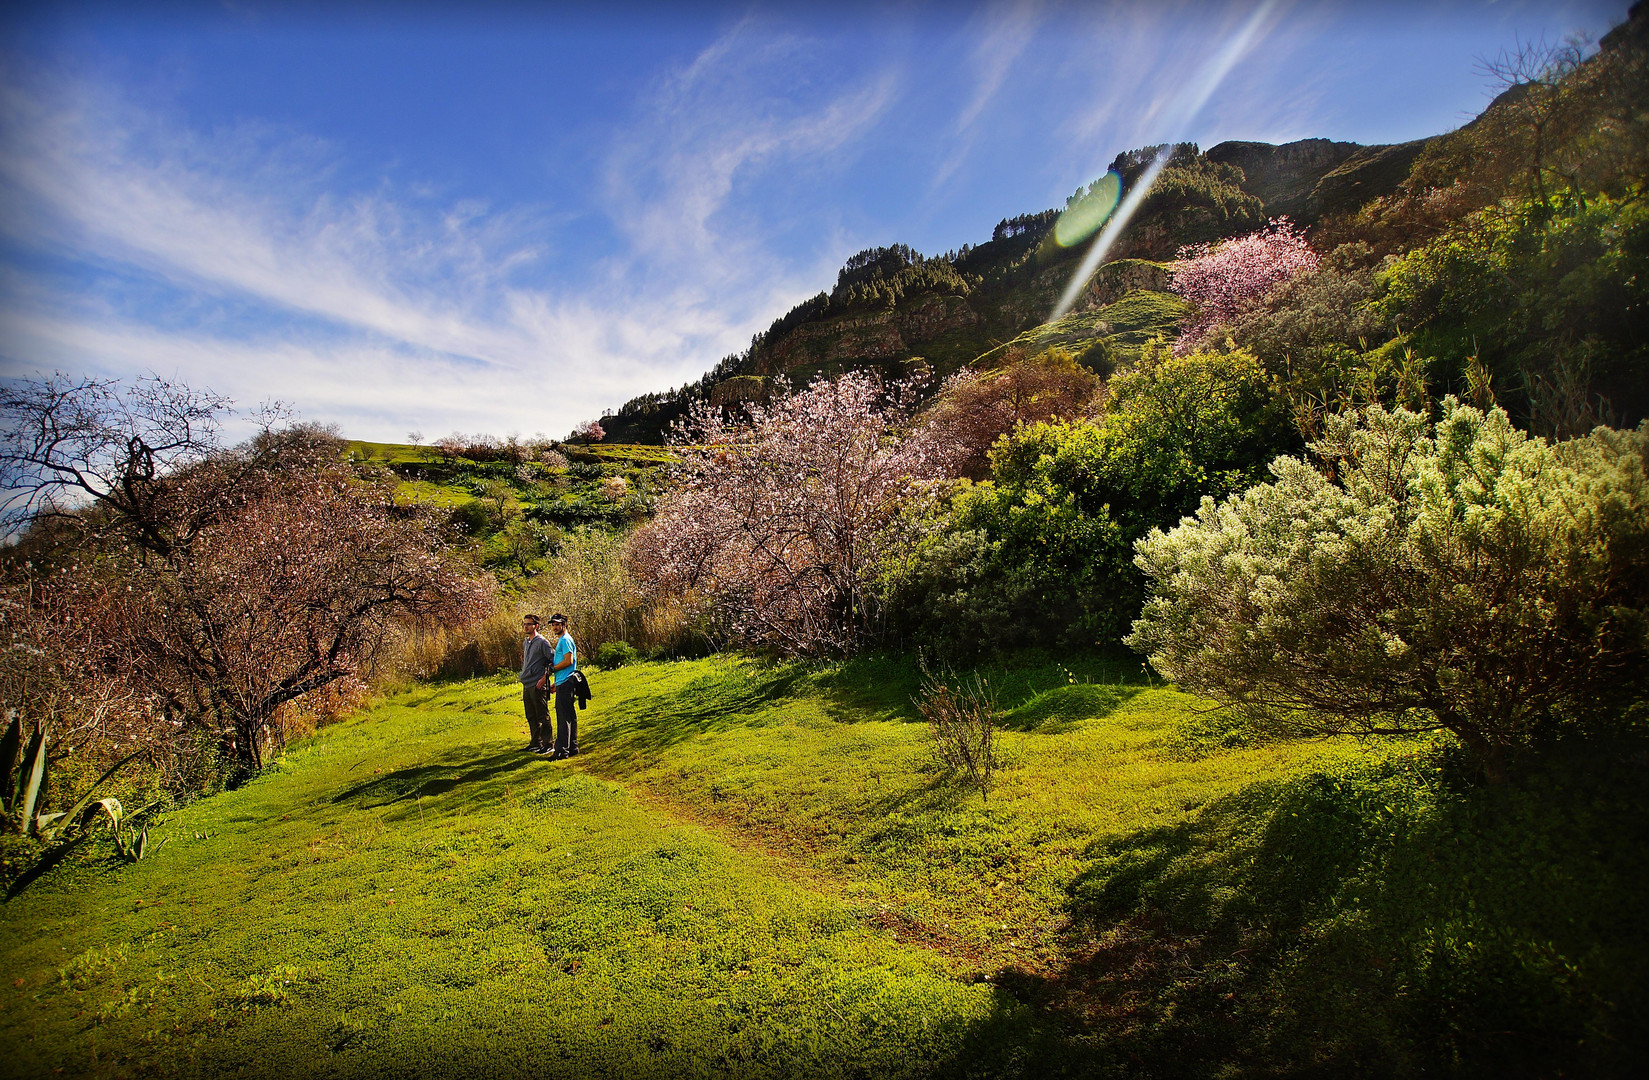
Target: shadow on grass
1392, 918
733, 695
44, 865
436, 778
1063, 707
884, 687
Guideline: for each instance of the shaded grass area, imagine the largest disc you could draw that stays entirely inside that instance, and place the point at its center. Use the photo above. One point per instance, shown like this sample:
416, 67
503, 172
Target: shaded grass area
758, 870
1380, 918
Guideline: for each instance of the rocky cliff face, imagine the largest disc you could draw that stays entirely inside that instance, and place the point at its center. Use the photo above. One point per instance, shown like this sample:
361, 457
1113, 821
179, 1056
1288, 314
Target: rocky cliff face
1369, 173
1015, 279
1283, 177
1313, 178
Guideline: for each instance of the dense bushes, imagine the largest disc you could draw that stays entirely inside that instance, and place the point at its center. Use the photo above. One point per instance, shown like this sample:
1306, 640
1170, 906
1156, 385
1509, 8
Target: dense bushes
1042, 553
1470, 579
1551, 296
975, 408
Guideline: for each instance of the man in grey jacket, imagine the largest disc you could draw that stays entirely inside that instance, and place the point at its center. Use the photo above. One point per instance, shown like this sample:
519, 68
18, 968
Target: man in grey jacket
537, 654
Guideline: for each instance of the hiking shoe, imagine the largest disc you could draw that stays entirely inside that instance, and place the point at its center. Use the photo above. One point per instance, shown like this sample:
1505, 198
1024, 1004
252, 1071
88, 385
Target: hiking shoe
545, 751
559, 755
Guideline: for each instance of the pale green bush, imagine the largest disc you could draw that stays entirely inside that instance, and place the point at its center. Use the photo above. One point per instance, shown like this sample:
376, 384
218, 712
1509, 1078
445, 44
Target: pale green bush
590, 583
1468, 578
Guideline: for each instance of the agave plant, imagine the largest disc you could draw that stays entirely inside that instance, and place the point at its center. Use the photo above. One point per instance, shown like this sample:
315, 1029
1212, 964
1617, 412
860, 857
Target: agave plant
22, 772
131, 843
23, 778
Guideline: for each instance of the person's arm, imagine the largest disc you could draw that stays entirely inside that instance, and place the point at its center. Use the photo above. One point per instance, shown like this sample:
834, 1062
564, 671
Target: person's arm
544, 678
565, 661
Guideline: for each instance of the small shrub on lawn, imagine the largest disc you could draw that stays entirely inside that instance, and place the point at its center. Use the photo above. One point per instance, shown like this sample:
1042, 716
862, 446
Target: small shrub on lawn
961, 718
615, 654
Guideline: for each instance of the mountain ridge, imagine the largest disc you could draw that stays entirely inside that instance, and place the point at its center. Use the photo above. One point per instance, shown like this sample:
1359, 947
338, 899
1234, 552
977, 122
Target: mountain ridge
896, 310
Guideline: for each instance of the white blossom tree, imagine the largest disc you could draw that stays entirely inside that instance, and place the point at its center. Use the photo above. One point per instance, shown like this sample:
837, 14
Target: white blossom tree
779, 524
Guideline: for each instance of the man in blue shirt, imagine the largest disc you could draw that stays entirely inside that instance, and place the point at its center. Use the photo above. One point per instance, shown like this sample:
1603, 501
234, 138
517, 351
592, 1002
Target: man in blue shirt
536, 658
562, 666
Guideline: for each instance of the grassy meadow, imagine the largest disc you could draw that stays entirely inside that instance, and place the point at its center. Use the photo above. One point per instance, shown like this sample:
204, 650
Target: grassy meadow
758, 870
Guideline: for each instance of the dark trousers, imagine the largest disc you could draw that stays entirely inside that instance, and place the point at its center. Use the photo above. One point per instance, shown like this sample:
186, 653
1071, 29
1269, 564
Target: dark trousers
566, 719
538, 713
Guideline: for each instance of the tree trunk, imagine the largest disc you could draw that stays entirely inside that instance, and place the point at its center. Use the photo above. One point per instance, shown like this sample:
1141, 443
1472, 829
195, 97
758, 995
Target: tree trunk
248, 746
1491, 756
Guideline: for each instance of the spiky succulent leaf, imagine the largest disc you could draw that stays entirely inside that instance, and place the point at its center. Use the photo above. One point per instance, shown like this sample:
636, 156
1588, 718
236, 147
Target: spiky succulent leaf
11, 747
34, 776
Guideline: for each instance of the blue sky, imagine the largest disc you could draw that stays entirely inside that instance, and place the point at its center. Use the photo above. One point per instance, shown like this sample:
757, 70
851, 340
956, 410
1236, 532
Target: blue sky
509, 217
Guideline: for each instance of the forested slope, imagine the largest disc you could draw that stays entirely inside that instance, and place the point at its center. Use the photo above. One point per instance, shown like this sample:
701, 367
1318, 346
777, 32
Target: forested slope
1559, 116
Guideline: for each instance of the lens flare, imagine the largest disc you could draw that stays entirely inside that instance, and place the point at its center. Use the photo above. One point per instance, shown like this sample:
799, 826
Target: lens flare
1087, 212
1187, 103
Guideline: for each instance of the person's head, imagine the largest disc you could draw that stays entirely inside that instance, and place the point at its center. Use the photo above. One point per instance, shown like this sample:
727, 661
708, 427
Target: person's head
529, 624
558, 623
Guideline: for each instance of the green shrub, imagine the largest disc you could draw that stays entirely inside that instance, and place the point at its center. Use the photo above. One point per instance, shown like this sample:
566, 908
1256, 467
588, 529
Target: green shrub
1043, 553
615, 654
1549, 296
1469, 578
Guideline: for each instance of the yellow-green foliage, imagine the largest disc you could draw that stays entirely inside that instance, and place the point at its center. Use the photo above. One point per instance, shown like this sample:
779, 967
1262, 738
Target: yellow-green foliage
407, 890
1108, 336
761, 871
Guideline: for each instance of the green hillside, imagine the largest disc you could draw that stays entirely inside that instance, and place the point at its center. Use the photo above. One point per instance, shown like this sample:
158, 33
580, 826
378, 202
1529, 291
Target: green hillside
893, 306
896, 310
759, 871
514, 508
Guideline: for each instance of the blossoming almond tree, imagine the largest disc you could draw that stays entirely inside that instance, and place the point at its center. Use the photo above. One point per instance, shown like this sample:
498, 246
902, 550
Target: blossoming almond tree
778, 524
1226, 279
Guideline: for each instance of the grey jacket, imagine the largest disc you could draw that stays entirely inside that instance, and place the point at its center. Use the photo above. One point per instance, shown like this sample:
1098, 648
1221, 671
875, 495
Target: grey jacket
537, 653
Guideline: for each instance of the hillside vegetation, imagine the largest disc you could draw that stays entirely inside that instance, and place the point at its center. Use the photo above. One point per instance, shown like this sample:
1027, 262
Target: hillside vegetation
1564, 127
760, 871
882, 777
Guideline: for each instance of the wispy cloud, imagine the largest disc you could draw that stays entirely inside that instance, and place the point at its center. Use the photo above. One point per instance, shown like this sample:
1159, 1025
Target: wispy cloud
381, 307
1003, 32
672, 176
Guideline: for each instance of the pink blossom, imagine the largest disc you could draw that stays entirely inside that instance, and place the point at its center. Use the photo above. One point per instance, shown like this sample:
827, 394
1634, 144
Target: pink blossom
777, 525
1226, 279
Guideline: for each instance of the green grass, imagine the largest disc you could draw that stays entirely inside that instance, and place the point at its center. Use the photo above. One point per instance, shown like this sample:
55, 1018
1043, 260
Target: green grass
430, 493
1124, 327
407, 893
390, 453
621, 453
757, 870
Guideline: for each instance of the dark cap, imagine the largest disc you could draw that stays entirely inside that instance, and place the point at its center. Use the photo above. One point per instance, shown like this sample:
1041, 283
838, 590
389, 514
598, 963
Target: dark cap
558, 618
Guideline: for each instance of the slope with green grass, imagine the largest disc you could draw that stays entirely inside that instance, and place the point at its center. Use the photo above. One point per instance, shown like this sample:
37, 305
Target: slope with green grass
757, 870
408, 895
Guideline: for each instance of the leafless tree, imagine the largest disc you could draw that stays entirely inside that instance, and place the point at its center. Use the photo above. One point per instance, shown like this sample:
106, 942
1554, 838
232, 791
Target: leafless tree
217, 583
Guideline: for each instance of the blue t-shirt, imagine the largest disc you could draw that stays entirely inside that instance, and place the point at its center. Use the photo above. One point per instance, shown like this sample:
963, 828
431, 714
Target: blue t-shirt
564, 648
